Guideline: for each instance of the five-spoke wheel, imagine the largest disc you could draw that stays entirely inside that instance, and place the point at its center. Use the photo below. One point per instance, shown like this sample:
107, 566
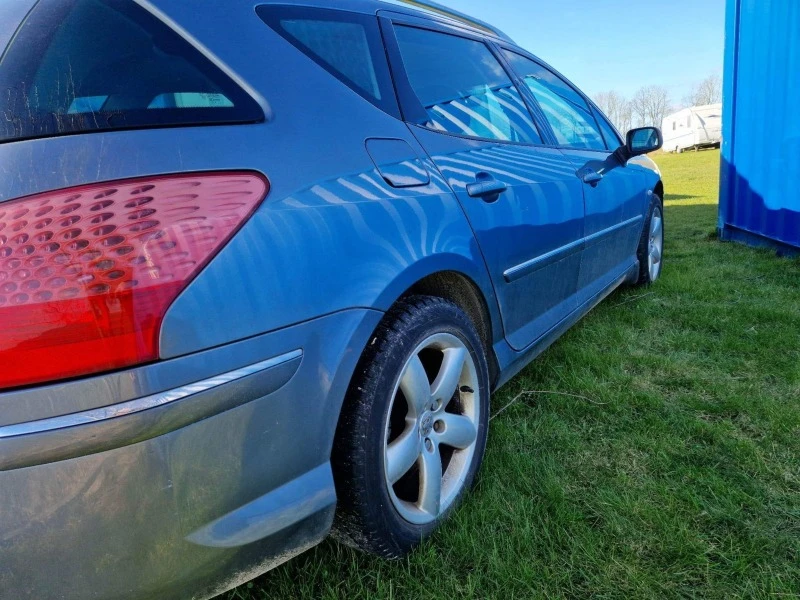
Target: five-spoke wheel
413, 429
432, 429
655, 243
651, 244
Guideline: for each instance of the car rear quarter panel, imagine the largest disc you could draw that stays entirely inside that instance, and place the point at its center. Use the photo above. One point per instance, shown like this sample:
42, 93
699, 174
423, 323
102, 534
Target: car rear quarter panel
331, 235
191, 512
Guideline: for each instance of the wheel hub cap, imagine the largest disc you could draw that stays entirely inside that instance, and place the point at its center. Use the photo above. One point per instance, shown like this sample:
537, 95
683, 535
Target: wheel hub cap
426, 424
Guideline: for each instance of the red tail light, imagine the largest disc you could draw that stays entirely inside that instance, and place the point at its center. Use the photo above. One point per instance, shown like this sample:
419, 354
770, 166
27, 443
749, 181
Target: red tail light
87, 273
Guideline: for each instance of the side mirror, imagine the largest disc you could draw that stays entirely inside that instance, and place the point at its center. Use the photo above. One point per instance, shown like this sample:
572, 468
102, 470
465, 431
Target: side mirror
639, 141
643, 140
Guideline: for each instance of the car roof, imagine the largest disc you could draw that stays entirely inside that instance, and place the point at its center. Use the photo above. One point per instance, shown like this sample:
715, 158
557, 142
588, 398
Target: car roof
420, 8
14, 10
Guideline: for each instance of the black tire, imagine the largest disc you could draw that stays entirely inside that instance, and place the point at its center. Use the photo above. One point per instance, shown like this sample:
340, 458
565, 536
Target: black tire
642, 253
366, 517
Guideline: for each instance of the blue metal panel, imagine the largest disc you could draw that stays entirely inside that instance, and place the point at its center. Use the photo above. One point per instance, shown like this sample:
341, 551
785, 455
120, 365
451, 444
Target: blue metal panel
759, 200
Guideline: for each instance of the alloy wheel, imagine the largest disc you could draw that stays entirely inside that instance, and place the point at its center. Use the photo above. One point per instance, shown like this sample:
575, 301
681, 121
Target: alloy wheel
656, 244
432, 428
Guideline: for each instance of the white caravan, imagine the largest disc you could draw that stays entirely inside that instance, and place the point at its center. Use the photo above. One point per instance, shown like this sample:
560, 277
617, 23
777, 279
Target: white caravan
693, 128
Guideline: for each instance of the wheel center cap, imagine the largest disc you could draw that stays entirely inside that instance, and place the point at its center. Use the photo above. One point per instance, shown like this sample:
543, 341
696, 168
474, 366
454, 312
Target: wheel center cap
426, 424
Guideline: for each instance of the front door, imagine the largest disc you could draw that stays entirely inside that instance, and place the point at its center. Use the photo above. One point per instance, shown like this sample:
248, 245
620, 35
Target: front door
615, 195
522, 199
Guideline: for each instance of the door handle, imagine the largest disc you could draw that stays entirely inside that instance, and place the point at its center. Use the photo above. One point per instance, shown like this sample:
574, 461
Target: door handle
591, 177
486, 187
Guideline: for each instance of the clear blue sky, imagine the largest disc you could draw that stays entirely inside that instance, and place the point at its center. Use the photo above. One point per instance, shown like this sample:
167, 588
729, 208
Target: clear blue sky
615, 44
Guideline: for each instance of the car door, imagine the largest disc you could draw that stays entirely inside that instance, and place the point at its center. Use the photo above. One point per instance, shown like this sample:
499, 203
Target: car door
615, 195
522, 199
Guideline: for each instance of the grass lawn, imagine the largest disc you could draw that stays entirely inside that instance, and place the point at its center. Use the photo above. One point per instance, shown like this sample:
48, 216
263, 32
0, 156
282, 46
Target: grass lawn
677, 474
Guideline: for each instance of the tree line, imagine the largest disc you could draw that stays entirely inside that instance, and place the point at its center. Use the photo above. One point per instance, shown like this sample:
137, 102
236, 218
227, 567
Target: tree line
651, 103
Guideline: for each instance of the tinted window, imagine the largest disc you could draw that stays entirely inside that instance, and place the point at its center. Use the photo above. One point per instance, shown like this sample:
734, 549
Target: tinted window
347, 45
609, 133
463, 88
86, 65
564, 108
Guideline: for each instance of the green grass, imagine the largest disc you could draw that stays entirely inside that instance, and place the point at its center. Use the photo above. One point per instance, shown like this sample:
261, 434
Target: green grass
677, 477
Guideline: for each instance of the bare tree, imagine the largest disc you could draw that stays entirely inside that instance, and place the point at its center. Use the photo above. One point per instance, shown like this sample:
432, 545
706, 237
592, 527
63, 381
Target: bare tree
708, 91
617, 108
650, 105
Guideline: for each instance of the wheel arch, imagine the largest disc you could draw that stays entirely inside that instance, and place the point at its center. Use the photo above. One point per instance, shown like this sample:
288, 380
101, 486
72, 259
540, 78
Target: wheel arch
462, 291
659, 189
460, 278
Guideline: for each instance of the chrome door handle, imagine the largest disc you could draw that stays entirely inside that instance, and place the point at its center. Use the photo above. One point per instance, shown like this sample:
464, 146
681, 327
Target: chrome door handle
486, 187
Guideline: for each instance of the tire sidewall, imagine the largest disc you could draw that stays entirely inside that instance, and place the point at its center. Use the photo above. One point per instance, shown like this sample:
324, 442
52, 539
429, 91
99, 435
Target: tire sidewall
656, 206
643, 250
440, 317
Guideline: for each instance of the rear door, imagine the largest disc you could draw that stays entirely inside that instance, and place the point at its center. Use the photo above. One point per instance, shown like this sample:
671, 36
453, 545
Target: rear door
615, 195
522, 198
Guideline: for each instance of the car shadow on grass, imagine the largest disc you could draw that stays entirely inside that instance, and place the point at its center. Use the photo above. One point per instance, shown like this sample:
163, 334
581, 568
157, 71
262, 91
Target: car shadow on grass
673, 197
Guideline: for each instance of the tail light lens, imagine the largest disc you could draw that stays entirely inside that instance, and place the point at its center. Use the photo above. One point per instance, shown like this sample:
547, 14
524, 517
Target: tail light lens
87, 273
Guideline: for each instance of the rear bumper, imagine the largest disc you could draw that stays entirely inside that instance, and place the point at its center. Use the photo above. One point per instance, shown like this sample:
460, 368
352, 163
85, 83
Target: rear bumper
166, 495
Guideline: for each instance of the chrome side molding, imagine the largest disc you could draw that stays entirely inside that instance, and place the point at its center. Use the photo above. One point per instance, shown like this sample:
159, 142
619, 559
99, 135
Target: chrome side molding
141, 404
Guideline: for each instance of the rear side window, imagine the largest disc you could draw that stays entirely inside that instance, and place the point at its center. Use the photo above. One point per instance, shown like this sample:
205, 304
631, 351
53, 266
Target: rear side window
347, 45
91, 65
463, 88
564, 108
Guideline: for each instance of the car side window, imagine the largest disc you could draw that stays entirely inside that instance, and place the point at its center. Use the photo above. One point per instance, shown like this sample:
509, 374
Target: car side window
564, 108
347, 45
609, 133
463, 87
79, 66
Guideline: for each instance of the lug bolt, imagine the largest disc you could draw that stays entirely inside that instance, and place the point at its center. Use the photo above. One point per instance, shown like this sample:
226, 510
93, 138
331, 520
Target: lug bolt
428, 445
433, 406
438, 426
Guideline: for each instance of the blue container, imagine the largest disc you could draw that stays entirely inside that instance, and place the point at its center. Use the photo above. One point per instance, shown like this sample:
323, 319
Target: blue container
760, 171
